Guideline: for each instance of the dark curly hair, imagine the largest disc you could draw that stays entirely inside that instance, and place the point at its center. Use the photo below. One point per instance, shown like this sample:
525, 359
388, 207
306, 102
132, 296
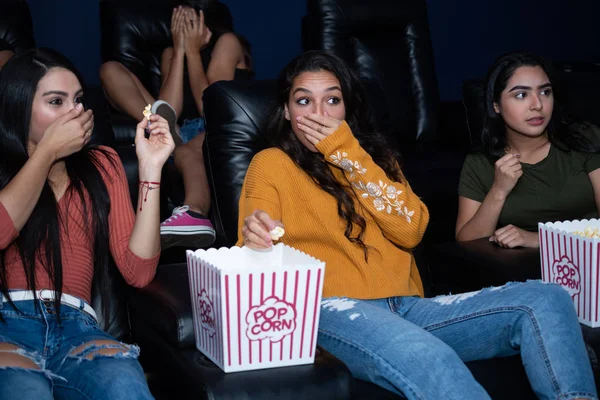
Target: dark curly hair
279, 134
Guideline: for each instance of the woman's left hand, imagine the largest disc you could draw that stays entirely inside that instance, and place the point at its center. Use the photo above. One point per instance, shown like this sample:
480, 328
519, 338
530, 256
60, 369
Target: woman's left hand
317, 127
154, 151
197, 34
510, 236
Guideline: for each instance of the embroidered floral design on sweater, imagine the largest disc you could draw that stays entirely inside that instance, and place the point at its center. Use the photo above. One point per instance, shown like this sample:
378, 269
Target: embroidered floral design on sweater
347, 165
385, 197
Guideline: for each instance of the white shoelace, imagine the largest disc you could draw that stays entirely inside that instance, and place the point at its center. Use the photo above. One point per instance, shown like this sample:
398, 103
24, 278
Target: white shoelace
177, 212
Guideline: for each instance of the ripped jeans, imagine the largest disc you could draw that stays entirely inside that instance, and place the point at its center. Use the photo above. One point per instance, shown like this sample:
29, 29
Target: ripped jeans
66, 370
418, 347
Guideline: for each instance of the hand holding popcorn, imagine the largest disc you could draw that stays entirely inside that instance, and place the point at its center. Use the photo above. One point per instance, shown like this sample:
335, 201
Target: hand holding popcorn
260, 230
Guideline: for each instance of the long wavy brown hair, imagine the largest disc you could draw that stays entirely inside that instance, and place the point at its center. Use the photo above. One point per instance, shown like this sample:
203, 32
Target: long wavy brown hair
280, 134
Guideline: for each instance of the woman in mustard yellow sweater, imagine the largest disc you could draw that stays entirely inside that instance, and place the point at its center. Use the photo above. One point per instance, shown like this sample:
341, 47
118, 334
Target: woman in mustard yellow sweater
341, 195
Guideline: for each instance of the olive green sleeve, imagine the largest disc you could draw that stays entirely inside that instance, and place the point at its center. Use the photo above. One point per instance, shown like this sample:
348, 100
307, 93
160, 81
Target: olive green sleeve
592, 160
474, 178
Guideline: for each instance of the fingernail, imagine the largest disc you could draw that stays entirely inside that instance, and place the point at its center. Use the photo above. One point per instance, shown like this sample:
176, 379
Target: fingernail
79, 106
491, 239
298, 118
518, 155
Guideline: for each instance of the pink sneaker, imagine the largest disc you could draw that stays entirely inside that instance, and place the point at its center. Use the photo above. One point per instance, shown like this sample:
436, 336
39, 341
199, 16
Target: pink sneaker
182, 228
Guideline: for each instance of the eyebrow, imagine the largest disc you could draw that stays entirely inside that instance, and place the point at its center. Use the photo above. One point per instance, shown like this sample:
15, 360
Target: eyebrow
61, 93
519, 87
329, 89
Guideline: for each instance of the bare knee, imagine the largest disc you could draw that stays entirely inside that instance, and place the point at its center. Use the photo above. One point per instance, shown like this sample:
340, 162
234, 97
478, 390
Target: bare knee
110, 70
103, 347
13, 356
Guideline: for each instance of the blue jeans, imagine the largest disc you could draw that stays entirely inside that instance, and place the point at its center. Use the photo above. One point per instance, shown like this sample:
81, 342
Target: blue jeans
191, 128
63, 372
418, 347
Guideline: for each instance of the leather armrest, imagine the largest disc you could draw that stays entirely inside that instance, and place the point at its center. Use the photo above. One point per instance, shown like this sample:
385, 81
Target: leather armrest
327, 378
164, 305
196, 376
463, 266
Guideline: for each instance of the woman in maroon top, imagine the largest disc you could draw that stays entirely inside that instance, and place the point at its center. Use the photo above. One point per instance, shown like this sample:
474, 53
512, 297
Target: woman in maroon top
64, 206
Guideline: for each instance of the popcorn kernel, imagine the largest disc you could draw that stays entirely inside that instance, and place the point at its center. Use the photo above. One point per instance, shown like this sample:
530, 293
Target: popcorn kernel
147, 111
589, 232
277, 233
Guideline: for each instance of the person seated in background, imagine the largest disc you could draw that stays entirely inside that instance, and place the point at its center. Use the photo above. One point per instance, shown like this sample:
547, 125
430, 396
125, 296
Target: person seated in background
65, 209
6, 52
205, 50
535, 164
338, 189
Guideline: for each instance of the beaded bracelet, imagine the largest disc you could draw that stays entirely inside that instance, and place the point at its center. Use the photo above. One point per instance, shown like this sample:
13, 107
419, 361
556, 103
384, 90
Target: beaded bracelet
146, 185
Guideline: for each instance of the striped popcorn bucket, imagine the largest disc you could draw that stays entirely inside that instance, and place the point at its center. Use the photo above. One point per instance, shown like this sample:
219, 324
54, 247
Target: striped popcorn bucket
255, 309
572, 261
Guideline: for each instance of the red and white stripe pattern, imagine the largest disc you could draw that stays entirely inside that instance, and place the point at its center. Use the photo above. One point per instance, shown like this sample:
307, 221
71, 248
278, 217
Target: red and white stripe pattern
234, 294
558, 243
205, 277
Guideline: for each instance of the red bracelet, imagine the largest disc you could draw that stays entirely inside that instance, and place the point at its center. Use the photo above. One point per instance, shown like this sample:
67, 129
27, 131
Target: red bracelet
146, 184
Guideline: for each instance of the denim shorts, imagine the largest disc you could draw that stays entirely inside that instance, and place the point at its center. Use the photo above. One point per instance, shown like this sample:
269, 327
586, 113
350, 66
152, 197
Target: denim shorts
191, 128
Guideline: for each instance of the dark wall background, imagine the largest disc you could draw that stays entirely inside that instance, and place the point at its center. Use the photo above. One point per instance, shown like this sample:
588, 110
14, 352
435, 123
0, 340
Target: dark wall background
467, 35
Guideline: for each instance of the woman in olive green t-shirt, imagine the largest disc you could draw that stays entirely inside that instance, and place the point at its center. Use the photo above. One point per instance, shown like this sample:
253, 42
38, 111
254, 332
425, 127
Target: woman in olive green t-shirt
534, 166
